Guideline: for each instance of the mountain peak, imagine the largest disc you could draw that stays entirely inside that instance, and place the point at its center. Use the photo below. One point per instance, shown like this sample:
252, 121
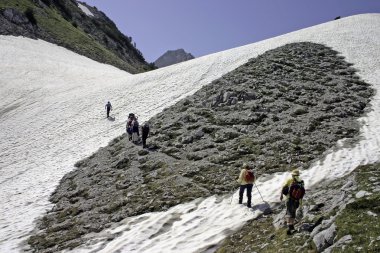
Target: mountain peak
172, 57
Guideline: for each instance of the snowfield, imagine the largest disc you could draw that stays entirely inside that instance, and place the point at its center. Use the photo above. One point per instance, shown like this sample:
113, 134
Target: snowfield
52, 115
85, 10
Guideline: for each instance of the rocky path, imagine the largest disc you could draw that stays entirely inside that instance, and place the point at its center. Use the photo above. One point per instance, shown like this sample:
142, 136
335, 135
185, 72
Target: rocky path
336, 216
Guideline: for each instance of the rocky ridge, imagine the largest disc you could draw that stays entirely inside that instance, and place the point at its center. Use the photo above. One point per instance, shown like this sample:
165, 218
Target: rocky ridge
281, 110
172, 57
64, 23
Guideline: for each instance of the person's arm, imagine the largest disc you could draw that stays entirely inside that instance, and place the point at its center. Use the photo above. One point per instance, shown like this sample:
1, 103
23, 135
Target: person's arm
287, 183
240, 179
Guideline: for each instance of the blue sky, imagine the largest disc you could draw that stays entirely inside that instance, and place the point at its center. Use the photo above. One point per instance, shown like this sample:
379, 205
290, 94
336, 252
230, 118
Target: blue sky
202, 27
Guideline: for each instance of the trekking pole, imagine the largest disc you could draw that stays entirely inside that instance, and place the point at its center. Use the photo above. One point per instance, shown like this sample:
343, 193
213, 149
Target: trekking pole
258, 191
232, 195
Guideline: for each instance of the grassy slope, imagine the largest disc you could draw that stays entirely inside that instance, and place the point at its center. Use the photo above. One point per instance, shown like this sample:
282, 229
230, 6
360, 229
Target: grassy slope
67, 35
355, 220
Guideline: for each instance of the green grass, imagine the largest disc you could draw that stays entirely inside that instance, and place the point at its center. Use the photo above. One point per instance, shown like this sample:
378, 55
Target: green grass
67, 35
355, 220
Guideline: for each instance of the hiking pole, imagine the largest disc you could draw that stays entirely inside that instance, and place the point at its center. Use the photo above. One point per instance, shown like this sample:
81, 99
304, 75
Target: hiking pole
258, 191
232, 195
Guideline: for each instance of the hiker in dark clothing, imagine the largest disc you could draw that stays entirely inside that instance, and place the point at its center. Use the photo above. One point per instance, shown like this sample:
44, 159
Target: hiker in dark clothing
294, 190
128, 127
246, 180
144, 133
108, 108
135, 131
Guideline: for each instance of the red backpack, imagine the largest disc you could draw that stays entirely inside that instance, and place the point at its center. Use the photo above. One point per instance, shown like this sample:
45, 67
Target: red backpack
249, 176
296, 190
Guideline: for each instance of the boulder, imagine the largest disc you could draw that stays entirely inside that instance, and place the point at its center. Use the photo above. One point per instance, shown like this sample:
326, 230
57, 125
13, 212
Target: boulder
362, 194
348, 186
279, 220
15, 16
325, 238
339, 244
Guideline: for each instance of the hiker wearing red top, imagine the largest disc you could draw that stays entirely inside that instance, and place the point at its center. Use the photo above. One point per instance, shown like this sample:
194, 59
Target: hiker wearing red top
246, 180
294, 190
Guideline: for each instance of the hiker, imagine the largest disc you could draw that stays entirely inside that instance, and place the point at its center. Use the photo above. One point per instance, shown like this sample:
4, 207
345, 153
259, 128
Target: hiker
131, 117
294, 190
144, 133
128, 129
108, 108
135, 131
246, 180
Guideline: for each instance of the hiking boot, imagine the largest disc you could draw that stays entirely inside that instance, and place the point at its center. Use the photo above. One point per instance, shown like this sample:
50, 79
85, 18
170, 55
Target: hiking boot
290, 229
249, 206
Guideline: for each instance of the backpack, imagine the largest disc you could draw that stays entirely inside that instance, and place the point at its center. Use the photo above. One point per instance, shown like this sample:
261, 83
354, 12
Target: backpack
249, 176
296, 190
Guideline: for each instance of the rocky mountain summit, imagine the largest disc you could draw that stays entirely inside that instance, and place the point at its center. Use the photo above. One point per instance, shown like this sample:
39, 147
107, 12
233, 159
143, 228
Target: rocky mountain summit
75, 26
282, 109
172, 57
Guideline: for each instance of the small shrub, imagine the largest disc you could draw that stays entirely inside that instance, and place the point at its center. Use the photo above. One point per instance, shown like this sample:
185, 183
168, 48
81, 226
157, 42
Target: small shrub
29, 13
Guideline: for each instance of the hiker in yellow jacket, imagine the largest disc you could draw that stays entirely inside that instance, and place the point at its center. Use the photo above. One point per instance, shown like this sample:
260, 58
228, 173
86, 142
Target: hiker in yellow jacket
246, 180
294, 190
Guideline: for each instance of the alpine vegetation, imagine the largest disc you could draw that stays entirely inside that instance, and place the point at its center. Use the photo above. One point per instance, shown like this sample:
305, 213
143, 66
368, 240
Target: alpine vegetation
73, 25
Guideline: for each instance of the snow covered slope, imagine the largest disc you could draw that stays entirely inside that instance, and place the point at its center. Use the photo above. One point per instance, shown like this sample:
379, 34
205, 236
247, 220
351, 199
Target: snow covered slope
52, 114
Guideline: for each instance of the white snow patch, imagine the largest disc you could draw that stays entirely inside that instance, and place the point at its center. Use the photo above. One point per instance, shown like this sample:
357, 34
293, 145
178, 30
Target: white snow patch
85, 10
184, 228
52, 114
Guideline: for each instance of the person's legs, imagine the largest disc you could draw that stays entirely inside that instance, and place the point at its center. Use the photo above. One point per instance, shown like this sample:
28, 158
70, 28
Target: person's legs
144, 141
129, 131
291, 208
108, 113
134, 137
249, 194
241, 192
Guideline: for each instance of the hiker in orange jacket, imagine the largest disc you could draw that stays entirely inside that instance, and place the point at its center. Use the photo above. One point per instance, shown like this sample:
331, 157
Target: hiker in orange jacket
294, 190
246, 180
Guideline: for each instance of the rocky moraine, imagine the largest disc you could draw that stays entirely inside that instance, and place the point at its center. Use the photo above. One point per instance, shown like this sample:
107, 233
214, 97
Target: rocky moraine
280, 110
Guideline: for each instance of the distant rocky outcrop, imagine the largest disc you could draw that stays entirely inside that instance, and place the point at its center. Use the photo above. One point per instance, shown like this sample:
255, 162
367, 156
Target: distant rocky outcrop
75, 26
282, 109
172, 57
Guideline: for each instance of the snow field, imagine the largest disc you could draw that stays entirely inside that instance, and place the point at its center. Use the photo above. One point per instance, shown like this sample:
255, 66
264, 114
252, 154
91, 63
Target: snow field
85, 10
52, 114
